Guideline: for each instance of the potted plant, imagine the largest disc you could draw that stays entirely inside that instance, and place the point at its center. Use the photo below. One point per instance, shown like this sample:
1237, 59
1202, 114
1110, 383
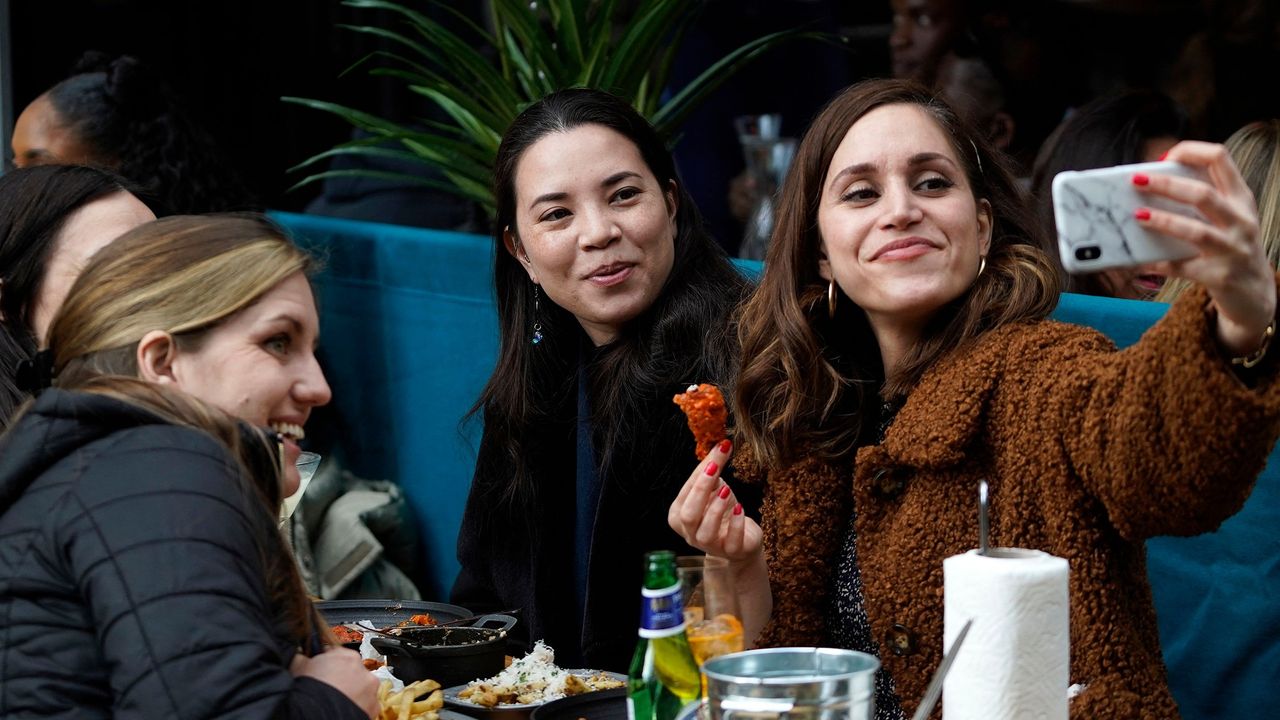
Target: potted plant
535, 47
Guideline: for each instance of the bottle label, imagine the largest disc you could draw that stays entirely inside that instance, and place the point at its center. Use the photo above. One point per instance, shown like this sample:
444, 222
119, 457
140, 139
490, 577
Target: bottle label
661, 612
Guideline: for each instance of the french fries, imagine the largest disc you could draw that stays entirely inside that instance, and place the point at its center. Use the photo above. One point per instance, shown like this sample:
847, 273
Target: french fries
405, 705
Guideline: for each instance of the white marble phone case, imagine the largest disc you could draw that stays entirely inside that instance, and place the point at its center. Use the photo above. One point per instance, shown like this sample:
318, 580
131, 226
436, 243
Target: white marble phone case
1093, 211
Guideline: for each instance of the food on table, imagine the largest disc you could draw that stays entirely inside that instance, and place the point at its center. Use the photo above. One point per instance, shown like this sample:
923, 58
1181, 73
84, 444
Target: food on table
404, 704
372, 664
534, 678
346, 634
420, 619
703, 405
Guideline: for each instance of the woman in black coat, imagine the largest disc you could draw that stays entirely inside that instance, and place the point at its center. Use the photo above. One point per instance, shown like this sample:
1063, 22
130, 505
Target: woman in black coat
611, 300
142, 574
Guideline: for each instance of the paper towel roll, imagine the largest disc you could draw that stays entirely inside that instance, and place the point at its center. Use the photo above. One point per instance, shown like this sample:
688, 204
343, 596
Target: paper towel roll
1015, 661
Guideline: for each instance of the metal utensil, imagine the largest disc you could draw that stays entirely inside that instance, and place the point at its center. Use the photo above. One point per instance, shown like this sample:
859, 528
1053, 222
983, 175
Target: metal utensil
934, 691
984, 527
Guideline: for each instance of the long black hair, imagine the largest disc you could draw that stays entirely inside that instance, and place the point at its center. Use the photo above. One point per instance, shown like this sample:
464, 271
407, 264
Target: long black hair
34, 204
133, 124
685, 336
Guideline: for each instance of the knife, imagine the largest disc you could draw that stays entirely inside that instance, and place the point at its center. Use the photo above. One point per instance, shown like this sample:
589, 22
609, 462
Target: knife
934, 691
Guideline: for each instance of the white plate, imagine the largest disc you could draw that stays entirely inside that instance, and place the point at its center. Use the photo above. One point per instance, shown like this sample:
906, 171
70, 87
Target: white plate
451, 698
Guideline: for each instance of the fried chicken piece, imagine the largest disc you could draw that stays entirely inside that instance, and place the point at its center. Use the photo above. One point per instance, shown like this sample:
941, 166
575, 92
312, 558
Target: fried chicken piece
703, 406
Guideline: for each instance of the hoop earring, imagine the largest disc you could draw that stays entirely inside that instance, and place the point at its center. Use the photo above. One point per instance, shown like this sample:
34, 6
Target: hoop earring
982, 264
537, 326
831, 299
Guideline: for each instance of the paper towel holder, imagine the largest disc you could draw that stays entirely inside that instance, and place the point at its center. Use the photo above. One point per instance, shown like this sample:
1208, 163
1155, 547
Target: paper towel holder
984, 527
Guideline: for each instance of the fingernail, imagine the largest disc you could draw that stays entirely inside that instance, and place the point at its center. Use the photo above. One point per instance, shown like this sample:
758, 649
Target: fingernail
1141, 179
1142, 214
725, 446
737, 509
724, 492
1164, 154
712, 468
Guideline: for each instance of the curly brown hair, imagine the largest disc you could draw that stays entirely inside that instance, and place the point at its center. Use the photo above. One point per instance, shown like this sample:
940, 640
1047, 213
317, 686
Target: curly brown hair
806, 379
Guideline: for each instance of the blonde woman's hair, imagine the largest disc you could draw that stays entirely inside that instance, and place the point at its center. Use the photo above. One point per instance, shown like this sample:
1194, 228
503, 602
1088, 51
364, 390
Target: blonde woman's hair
1255, 148
184, 275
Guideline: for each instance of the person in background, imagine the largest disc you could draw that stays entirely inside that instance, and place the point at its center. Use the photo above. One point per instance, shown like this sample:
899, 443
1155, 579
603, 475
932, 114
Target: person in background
116, 114
1255, 148
898, 350
52, 220
612, 298
1130, 127
969, 85
142, 573
923, 32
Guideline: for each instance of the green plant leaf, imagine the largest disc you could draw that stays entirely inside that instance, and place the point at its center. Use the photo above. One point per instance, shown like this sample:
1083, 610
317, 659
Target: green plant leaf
565, 21
537, 48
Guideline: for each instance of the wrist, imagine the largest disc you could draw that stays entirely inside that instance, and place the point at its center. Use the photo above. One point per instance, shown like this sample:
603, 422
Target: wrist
1251, 359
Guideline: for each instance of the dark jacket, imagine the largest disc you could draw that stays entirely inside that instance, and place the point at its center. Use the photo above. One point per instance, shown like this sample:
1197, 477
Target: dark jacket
1088, 450
522, 554
131, 583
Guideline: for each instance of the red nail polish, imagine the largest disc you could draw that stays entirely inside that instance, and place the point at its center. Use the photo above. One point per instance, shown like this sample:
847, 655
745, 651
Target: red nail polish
1141, 179
712, 468
1142, 214
737, 509
724, 492
725, 446
1164, 154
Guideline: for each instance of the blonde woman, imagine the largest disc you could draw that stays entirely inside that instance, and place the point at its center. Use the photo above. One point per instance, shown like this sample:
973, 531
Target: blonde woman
1255, 148
141, 572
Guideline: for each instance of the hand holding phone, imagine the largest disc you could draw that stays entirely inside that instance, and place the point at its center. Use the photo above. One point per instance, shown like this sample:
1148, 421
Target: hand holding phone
1094, 214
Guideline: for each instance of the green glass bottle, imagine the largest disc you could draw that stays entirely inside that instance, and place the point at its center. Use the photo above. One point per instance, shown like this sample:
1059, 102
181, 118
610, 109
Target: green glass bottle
664, 677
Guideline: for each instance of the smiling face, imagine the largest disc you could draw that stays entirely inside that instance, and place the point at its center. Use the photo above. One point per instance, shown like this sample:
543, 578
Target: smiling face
83, 233
593, 227
902, 234
260, 366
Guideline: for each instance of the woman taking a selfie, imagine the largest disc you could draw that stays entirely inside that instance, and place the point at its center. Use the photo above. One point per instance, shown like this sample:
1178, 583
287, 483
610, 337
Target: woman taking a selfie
906, 281
612, 299
142, 574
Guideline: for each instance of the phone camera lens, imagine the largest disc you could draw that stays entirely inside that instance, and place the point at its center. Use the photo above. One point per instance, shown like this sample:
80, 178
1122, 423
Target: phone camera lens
1088, 252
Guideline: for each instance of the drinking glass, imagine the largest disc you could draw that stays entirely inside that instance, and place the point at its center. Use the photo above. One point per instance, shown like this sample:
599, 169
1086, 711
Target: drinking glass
712, 620
307, 464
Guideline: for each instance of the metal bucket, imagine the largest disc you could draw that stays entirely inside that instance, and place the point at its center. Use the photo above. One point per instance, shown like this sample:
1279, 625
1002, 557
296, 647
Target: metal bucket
797, 683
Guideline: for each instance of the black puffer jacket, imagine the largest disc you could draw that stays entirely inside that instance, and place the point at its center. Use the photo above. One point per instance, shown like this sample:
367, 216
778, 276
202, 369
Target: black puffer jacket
131, 584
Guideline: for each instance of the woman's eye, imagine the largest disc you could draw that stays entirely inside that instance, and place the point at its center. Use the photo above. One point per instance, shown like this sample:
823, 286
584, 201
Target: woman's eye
935, 183
860, 194
625, 194
278, 344
557, 214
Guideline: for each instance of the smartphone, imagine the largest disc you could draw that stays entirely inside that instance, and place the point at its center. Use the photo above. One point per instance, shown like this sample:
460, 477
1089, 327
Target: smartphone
1093, 211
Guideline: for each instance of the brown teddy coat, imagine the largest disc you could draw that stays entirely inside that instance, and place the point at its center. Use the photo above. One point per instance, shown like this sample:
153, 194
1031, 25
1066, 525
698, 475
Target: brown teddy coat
1088, 452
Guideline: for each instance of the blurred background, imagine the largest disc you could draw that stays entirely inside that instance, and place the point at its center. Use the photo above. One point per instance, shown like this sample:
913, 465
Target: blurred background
230, 62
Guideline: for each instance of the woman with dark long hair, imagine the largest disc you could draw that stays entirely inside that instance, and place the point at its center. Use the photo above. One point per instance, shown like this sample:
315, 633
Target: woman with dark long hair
898, 351
52, 220
612, 299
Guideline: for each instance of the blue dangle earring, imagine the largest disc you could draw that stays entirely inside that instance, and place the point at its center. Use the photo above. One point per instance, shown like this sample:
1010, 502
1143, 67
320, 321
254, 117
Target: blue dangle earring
537, 326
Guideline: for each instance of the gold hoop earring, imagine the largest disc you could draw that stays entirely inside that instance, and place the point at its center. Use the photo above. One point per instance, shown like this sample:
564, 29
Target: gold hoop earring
831, 299
982, 264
